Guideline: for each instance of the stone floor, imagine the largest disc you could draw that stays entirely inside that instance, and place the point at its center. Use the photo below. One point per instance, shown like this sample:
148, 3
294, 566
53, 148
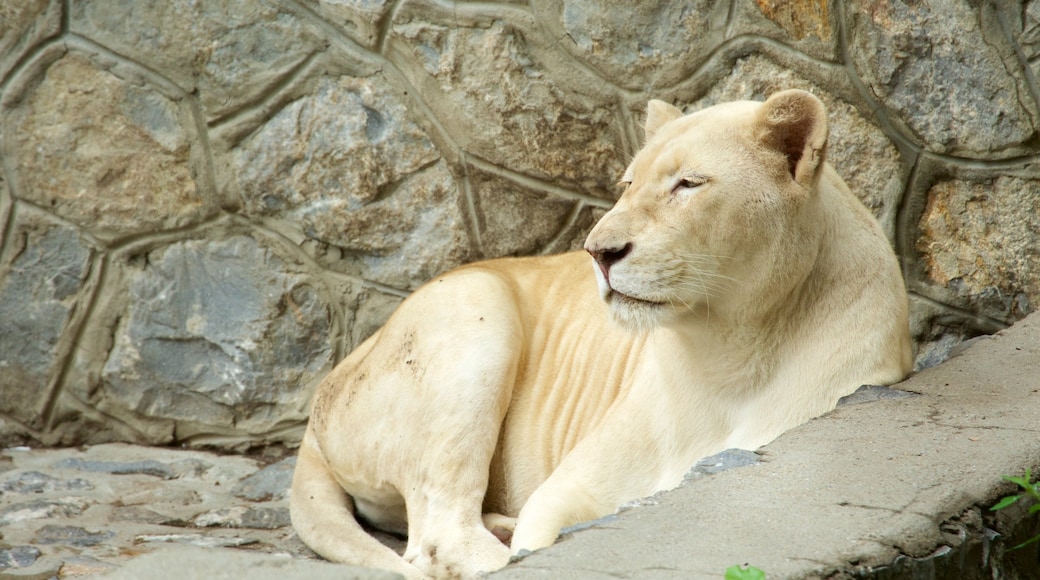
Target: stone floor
77, 512
89, 511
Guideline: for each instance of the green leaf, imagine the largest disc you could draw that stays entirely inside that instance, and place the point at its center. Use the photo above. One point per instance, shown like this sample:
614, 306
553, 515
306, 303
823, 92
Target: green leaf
1019, 481
1035, 538
749, 573
1034, 490
1005, 502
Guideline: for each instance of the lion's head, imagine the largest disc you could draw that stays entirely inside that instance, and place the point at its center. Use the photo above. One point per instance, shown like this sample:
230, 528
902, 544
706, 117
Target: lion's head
712, 217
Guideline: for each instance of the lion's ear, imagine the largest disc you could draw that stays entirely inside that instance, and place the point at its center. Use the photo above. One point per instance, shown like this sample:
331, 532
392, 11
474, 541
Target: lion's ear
795, 123
658, 113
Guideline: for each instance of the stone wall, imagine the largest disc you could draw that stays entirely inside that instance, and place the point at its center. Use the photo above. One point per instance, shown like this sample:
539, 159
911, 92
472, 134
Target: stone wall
205, 205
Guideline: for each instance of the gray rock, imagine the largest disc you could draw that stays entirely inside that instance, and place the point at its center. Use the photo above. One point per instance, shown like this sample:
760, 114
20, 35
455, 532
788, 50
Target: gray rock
271, 482
151, 493
71, 536
39, 285
722, 461
1028, 36
371, 309
937, 350
136, 513
199, 540
515, 220
37, 482
349, 141
871, 393
241, 345
406, 239
145, 467
348, 166
359, 19
938, 331
42, 508
941, 75
18, 557
639, 45
257, 517
190, 467
506, 106
573, 237
227, 50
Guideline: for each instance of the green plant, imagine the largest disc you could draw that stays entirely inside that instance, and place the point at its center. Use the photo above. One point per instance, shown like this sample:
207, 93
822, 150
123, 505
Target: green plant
1030, 490
740, 573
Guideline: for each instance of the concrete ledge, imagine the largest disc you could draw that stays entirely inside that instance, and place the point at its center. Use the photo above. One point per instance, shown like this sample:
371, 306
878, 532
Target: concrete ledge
888, 489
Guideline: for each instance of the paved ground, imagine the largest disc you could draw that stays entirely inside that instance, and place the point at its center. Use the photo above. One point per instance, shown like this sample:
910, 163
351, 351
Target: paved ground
884, 489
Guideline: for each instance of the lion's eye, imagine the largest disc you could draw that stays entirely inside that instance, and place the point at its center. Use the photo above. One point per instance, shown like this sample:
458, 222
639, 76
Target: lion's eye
623, 184
689, 184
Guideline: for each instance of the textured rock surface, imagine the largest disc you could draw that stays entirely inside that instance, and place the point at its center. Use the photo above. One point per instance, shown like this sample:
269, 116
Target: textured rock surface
940, 72
358, 19
639, 45
513, 220
271, 482
978, 241
98, 508
226, 351
103, 507
347, 166
18, 557
40, 282
528, 123
228, 51
105, 154
204, 205
22, 25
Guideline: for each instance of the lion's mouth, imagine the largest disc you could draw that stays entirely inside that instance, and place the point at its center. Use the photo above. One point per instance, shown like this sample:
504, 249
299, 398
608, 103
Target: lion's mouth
622, 298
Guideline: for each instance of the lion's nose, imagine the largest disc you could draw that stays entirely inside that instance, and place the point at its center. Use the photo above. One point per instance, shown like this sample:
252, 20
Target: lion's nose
607, 257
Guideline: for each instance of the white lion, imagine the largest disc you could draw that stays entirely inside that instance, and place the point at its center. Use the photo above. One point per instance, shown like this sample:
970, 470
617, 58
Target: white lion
736, 290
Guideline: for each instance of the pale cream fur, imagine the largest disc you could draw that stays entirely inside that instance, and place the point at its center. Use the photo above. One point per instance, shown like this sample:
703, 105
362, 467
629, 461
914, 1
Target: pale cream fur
739, 289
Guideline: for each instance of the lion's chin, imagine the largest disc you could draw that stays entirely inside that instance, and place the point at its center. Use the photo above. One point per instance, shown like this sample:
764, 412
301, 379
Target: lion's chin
636, 314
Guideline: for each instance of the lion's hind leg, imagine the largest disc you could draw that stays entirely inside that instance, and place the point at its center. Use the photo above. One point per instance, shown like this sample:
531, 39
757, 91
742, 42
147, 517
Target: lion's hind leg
465, 344
323, 516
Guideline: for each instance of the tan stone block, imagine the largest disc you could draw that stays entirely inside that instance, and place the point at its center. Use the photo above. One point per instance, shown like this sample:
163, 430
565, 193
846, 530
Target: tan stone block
110, 156
978, 240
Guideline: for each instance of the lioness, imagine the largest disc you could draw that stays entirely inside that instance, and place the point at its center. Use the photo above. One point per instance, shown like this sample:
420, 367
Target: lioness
736, 290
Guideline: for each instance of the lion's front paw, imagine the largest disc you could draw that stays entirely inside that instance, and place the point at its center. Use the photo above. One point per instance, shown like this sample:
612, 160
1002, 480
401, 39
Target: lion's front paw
500, 526
467, 554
